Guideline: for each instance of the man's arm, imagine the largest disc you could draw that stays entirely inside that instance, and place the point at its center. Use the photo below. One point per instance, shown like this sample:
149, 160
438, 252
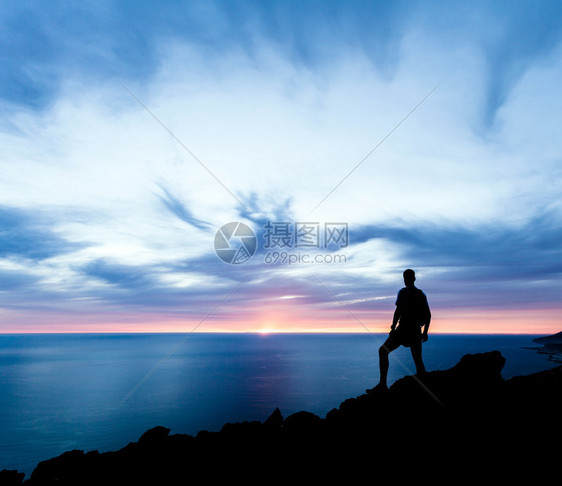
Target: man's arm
397, 312
426, 326
395, 318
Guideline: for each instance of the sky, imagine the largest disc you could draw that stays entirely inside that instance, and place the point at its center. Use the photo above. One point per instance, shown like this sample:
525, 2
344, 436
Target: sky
131, 132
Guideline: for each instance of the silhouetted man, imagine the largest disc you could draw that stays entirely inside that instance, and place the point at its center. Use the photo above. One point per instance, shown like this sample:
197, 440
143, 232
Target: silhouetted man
411, 315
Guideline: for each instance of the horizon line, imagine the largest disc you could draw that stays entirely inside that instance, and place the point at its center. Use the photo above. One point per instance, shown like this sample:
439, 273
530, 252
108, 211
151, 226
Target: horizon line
268, 332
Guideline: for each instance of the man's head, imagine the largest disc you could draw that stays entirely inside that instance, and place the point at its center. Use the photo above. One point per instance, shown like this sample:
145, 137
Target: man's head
409, 276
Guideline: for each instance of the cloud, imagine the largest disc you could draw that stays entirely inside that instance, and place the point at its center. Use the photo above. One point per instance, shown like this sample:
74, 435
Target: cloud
520, 40
123, 40
102, 208
180, 210
11, 280
490, 264
125, 276
30, 234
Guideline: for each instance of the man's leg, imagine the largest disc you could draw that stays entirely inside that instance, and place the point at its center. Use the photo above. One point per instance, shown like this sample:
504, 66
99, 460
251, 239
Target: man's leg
388, 346
416, 350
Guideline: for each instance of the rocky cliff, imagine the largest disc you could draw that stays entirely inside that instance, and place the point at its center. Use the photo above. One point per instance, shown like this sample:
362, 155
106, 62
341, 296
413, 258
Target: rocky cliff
464, 423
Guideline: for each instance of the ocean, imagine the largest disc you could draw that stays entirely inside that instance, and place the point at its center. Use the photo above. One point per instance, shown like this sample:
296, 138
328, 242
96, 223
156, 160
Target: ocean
60, 392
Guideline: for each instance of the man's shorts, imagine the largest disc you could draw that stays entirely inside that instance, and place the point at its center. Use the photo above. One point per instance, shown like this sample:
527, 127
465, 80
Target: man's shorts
406, 336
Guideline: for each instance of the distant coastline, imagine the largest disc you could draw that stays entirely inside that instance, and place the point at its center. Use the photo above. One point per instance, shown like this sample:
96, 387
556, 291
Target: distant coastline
552, 346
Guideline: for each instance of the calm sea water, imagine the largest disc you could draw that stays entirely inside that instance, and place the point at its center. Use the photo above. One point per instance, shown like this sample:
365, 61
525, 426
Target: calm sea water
100, 391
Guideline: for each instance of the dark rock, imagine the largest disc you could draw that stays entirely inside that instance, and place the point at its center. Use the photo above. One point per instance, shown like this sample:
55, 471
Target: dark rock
241, 429
154, 435
333, 414
480, 365
474, 377
302, 421
11, 477
203, 435
275, 420
71, 465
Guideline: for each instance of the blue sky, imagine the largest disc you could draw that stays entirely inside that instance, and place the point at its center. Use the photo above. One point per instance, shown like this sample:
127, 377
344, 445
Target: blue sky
257, 111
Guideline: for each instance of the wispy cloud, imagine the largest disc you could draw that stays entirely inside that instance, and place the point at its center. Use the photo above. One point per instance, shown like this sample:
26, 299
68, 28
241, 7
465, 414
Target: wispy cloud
30, 234
180, 210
